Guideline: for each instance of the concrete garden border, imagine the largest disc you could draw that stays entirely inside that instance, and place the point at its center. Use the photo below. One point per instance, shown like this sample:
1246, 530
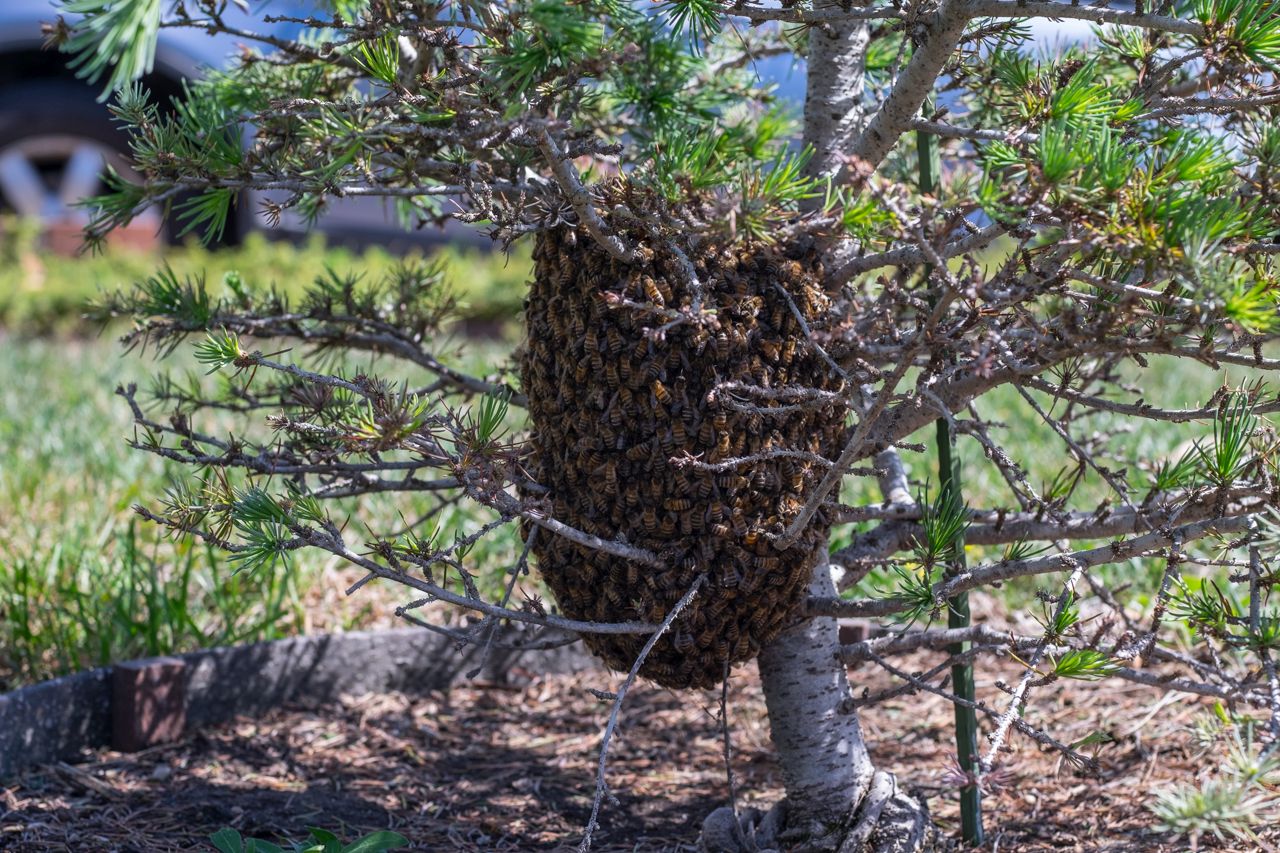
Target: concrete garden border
134, 704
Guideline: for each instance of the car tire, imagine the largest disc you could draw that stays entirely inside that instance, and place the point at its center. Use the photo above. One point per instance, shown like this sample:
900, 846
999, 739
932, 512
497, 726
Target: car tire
55, 138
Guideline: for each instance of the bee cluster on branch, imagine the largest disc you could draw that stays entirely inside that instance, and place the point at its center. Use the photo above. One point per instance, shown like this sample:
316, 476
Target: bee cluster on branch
734, 344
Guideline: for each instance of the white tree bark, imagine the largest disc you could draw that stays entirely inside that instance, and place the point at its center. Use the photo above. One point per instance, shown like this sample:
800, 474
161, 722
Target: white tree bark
833, 101
824, 761
835, 798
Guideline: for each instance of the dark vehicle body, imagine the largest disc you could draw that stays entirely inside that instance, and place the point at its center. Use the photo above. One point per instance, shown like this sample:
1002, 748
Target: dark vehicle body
55, 134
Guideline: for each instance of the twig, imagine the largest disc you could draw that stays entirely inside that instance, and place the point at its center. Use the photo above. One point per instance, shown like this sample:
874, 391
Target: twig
616, 710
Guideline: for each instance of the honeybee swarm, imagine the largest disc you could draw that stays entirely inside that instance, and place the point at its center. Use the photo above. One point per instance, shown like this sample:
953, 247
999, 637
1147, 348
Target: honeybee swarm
613, 406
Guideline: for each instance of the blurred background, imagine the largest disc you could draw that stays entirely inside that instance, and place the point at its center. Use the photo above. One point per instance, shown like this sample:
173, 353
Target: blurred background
82, 581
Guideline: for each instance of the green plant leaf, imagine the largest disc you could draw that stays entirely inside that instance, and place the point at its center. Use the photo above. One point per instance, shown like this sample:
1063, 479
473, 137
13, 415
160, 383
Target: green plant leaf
227, 840
377, 842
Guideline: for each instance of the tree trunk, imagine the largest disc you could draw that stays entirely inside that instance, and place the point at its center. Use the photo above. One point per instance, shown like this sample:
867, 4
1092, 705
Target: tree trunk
834, 110
835, 798
819, 743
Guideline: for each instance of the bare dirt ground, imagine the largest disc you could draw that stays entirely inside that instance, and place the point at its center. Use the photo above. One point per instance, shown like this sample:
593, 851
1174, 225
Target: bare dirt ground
498, 768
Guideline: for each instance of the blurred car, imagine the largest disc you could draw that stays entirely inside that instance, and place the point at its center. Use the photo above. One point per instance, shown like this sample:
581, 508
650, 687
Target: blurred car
55, 136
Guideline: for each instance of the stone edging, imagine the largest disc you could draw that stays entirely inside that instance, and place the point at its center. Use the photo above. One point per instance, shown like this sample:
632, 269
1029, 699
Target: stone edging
57, 720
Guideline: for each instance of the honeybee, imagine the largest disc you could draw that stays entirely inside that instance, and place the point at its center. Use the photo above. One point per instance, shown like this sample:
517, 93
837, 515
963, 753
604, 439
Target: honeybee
772, 350
678, 432
610, 477
660, 670
677, 504
653, 293
639, 451
778, 316
615, 342
751, 537
668, 527
686, 523
660, 391
649, 521
789, 351
705, 486
684, 642
720, 421
720, 531
727, 480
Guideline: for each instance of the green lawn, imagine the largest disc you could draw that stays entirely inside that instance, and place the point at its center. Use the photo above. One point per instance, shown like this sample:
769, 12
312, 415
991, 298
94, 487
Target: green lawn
83, 581
41, 293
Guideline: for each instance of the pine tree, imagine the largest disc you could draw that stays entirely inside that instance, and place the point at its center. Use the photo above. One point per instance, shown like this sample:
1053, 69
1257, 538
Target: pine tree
738, 311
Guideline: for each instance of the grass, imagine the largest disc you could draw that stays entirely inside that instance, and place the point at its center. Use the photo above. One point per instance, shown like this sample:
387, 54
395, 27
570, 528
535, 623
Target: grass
82, 583
43, 293
1168, 383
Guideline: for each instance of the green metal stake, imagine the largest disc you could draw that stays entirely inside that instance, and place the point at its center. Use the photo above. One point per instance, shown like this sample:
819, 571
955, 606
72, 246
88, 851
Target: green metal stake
966, 724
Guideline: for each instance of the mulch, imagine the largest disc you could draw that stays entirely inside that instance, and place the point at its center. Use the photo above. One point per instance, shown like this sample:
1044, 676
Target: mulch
501, 768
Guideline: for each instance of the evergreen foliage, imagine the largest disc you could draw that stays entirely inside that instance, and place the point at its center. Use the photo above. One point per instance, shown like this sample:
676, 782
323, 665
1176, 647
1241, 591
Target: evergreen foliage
1098, 207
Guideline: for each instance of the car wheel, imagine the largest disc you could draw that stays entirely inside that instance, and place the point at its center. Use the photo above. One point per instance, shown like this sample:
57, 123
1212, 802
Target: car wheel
56, 142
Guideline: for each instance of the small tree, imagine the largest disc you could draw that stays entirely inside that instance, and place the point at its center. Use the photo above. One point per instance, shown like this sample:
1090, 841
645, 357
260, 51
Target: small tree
726, 327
